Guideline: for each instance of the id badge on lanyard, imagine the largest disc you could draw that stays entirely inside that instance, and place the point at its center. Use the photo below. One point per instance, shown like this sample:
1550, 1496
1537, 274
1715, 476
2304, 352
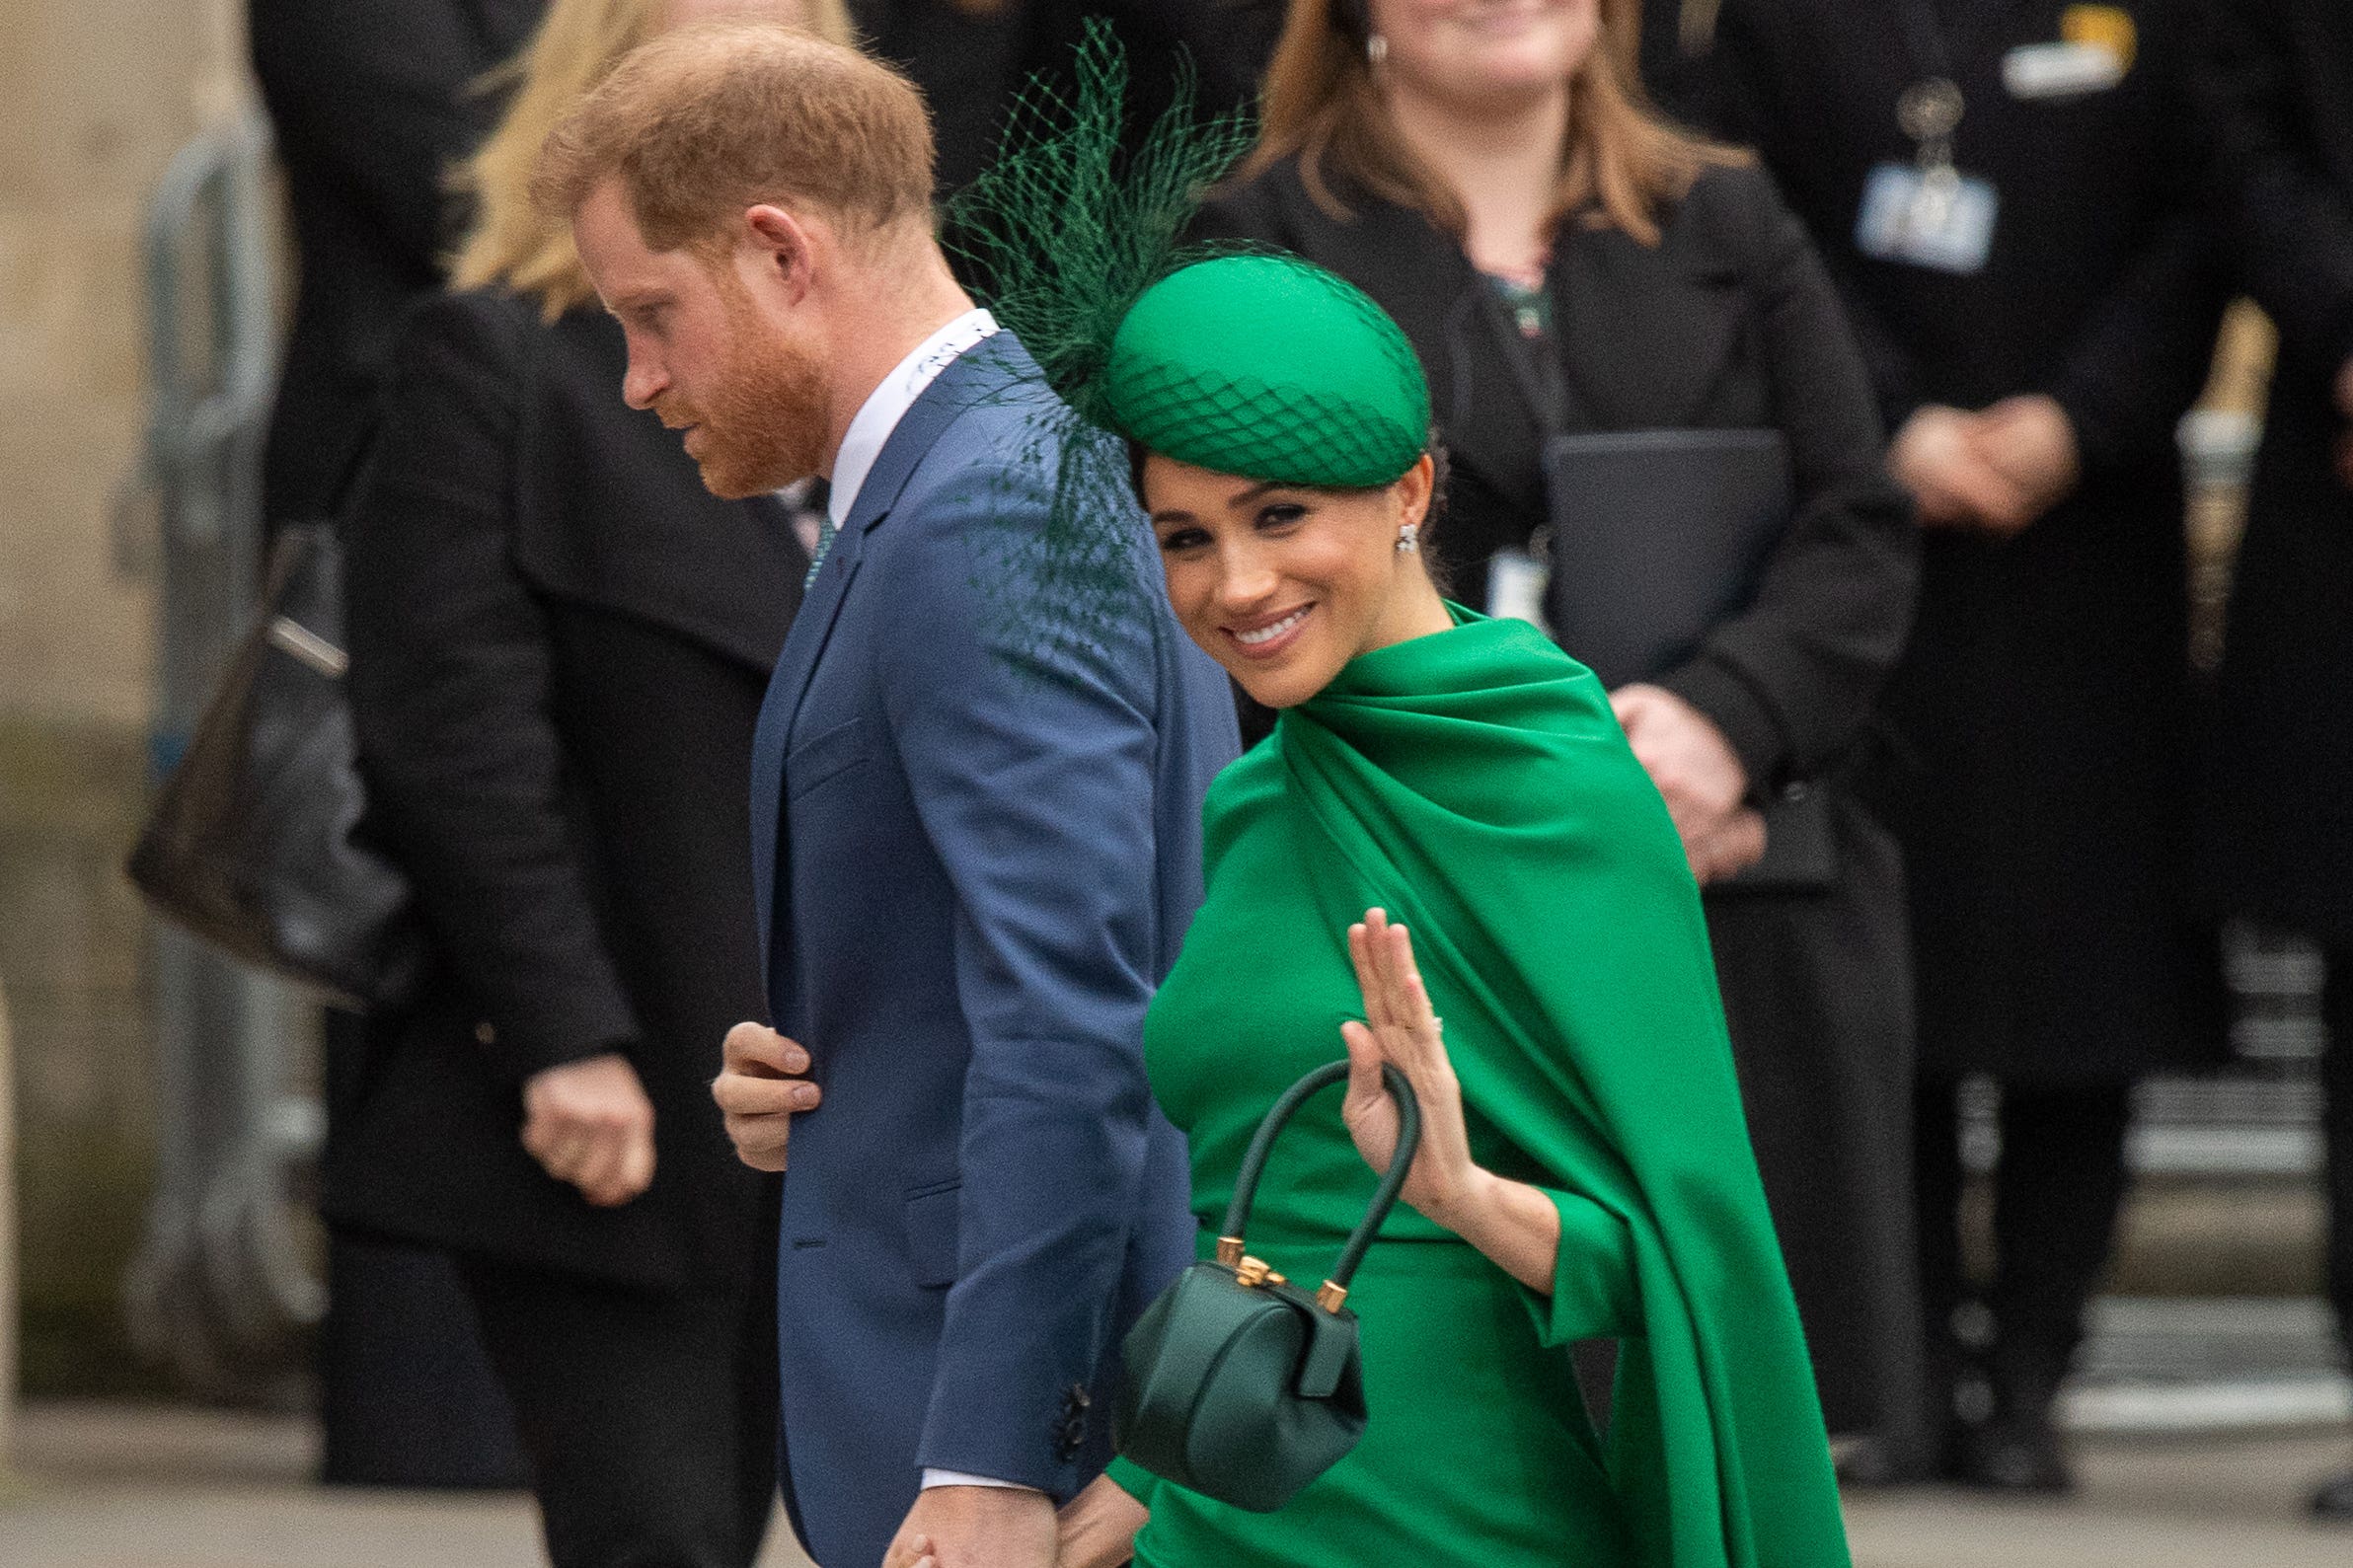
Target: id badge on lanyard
1928, 213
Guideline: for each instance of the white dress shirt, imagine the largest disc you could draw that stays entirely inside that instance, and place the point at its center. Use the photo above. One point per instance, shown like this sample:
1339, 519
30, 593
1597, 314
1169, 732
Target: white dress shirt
890, 401
862, 443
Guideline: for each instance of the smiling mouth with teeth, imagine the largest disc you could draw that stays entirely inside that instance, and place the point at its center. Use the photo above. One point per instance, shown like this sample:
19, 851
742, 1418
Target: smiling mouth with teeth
1267, 633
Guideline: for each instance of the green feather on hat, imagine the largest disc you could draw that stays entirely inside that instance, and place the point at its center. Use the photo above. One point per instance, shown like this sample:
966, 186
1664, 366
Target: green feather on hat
1260, 365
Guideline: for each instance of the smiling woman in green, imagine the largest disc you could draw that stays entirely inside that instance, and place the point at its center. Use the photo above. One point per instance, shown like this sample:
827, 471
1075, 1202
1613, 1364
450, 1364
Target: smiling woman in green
1585, 1169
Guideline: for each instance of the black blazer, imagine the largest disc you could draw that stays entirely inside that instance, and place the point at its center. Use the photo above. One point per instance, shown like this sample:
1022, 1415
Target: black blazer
2277, 90
2044, 702
559, 646
372, 101
2101, 290
1727, 323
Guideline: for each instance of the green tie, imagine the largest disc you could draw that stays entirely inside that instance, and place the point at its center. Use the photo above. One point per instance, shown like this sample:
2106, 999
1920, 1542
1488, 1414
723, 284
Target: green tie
825, 533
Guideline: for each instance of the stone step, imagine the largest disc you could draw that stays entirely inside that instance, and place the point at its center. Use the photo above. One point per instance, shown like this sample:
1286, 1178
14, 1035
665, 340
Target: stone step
2157, 1365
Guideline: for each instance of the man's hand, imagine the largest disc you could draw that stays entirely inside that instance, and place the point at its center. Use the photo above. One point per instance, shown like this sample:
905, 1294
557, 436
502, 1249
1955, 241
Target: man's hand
758, 1088
1098, 1526
976, 1526
589, 1122
2030, 442
1697, 773
1938, 457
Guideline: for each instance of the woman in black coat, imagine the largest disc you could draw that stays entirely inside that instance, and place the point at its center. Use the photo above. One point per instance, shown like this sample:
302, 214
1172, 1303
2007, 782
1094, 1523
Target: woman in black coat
2277, 82
560, 641
2044, 708
1391, 156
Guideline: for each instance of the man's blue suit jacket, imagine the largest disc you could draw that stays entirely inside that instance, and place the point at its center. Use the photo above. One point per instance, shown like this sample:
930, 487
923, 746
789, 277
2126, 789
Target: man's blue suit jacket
975, 864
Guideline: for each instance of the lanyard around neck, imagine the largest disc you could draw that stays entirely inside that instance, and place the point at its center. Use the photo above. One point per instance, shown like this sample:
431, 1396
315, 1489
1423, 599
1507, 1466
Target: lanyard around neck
1929, 110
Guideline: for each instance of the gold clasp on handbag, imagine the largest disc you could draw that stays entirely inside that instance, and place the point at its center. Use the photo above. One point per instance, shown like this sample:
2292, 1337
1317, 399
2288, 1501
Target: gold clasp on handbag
1255, 1271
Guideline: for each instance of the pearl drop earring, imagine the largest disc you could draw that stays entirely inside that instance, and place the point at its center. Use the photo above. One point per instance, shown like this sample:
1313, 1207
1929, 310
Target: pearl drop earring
1376, 49
1409, 538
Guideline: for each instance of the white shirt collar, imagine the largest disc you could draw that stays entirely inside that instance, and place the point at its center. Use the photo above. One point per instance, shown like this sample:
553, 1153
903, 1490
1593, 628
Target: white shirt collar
890, 401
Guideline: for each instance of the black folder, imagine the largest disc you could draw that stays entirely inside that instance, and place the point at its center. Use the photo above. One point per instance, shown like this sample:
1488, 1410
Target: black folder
1656, 537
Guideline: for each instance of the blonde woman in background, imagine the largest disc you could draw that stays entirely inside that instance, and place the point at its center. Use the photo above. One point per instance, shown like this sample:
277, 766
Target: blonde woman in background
558, 643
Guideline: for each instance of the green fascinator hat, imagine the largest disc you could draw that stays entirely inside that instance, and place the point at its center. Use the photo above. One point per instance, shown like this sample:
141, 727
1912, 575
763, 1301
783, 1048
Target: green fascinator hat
1245, 363
1260, 365
1271, 368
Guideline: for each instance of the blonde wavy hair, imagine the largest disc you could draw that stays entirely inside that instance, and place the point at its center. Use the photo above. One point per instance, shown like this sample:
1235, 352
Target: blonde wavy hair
512, 242
1623, 165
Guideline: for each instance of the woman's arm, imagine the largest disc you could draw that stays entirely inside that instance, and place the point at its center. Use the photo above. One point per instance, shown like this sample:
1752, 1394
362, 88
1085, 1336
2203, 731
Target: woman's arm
1790, 679
1098, 1527
450, 678
1574, 1257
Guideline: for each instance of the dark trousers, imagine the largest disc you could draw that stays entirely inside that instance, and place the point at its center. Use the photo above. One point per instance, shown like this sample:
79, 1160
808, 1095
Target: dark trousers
2057, 1191
2336, 1076
650, 1419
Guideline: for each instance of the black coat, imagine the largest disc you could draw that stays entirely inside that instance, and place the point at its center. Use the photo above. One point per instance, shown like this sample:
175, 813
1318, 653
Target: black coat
559, 646
2044, 703
372, 101
2279, 103
1729, 323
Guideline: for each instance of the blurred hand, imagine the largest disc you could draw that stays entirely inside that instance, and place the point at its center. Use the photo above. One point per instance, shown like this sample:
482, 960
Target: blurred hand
1936, 457
1400, 1028
589, 1122
976, 1526
759, 1088
2030, 442
1697, 773
2344, 440
1098, 1526
1737, 846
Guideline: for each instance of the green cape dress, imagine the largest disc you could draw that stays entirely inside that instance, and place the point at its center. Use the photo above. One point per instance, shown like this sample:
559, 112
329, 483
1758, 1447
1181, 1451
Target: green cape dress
1476, 783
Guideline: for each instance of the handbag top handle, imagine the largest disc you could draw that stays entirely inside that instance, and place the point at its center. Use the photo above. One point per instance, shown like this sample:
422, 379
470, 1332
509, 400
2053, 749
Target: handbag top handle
1254, 1164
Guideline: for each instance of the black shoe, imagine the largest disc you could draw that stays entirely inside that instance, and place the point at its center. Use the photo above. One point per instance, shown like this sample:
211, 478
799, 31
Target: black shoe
2334, 1500
2016, 1454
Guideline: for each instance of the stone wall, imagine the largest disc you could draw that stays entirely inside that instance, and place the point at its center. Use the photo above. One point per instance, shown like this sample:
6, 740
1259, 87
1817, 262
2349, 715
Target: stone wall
95, 98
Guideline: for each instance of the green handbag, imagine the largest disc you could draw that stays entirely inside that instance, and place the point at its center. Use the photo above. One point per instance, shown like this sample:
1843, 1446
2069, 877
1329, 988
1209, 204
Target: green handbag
1240, 1385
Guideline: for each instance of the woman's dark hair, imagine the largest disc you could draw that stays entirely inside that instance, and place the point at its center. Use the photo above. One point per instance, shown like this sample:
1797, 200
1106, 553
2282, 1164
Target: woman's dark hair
1441, 465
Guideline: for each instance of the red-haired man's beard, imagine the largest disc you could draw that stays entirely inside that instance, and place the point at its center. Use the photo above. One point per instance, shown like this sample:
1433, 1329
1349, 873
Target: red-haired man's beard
760, 425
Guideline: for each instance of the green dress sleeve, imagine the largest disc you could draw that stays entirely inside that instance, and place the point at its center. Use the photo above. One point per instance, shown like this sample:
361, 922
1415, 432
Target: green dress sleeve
1594, 1295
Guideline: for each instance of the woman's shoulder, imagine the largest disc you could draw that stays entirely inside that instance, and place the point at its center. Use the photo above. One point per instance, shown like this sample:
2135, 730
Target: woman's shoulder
491, 318
478, 336
1292, 202
1260, 204
1733, 213
1240, 797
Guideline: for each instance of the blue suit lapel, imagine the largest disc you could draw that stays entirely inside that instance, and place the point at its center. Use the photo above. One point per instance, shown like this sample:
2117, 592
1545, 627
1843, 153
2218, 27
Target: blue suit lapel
960, 388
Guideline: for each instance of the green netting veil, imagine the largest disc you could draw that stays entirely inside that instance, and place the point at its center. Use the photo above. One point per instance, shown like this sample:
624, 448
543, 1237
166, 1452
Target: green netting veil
1271, 368
1259, 365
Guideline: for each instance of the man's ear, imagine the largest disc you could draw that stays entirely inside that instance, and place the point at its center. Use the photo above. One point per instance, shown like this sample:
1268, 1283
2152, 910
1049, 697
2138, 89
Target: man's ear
786, 254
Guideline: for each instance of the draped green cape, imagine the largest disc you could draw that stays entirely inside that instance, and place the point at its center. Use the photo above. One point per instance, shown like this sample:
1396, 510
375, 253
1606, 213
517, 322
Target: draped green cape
1478, 777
